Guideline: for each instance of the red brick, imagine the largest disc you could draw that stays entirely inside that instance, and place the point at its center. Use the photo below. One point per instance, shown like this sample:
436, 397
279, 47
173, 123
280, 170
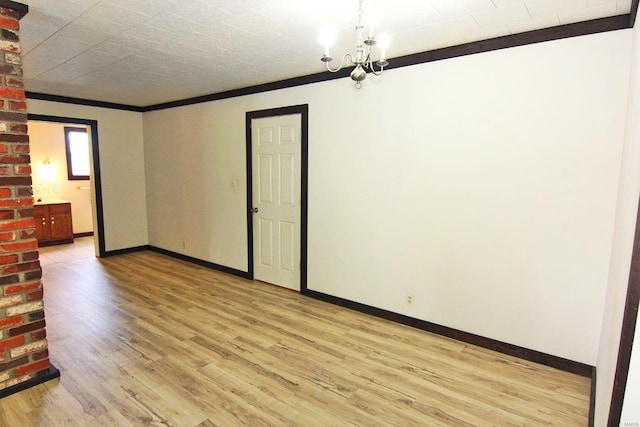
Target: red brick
30, 256
9, 23
12, 137
20, 149
14, 363
9, 269
7, 236
12, 93
22, 170
18, 105
16, 203
40, 355
32, 275
34, 367
5, 170
24, 191
15, 180
4, 148
9, 13
19, 127
35, 296
22, 287
28, 234
28, 266
4, 215
25, 213
6, 192
17, 224
15, 82
39, 335
9, 279
19, 246
25, 329
11, 343
8, 259
11, 158
11, 321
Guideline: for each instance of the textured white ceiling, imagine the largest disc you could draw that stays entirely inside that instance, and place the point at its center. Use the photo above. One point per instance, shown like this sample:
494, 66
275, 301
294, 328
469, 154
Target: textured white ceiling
144, 52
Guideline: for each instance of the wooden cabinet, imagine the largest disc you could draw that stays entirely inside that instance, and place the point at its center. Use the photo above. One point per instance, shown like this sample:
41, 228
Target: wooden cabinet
54, 224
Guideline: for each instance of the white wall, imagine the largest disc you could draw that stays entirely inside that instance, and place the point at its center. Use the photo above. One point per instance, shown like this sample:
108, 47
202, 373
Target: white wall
122, 167
618, 277
47, 141
486, 185
620, 264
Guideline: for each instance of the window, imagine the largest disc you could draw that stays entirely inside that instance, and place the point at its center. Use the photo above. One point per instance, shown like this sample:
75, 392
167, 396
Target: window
77, 142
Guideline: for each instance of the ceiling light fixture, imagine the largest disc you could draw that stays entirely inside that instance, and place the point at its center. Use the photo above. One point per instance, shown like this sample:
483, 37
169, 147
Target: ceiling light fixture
362, 59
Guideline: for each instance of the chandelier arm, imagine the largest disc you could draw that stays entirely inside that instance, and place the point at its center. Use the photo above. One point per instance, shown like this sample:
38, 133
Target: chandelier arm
347, 61
377, 73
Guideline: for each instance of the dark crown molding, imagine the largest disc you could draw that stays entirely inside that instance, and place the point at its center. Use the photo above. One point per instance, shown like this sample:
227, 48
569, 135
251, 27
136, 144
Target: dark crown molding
22, 9
80, 101
595, 26
633, 13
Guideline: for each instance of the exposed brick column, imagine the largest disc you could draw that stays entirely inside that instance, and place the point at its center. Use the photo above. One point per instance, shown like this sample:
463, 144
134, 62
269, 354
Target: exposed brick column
24, 357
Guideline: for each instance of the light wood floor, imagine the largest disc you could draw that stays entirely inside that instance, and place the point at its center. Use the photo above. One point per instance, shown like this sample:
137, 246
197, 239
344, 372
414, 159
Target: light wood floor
146, 340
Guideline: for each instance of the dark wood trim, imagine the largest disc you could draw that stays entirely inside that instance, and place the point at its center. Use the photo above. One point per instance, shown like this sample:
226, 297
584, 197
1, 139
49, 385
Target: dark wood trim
211, 265
47, 375
629, 319
81, 101
266, 87
85, 234
537, 36
126, 251
54, 242
97, 178
633, 13
592, 399
477, 340
303, 110
22, 9
595, 26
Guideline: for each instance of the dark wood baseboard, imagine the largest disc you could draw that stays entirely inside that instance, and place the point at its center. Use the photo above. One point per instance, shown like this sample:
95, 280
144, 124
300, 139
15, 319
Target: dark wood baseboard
592, 399
211, 265
125, 251
87, 234
45, 376
469, 338
488, 343
42, 244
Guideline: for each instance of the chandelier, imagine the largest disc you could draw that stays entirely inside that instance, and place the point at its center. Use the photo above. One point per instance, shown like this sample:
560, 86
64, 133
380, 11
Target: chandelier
362, 60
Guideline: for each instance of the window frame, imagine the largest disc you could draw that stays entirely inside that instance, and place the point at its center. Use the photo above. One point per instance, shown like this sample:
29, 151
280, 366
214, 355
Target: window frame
70, 175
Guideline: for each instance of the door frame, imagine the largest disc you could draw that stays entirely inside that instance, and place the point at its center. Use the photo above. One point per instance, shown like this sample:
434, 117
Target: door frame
303, 111
97, 181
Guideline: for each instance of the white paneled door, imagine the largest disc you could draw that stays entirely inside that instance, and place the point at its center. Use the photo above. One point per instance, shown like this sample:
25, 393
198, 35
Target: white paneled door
276, 164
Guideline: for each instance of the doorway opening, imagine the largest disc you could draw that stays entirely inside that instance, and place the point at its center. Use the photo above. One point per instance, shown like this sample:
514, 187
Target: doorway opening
87, 193
291, 197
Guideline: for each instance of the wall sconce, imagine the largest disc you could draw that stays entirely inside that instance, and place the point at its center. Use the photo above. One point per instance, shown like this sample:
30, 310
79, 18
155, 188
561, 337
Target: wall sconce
48, 171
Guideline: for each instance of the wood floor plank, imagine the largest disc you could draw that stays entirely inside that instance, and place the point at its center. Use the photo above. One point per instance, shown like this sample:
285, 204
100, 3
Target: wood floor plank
146, 340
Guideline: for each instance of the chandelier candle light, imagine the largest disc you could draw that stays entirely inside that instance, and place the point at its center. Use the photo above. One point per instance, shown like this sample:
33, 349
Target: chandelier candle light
362, 59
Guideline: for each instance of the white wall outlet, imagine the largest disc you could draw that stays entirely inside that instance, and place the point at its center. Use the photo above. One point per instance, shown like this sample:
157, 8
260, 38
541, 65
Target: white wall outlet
410, 300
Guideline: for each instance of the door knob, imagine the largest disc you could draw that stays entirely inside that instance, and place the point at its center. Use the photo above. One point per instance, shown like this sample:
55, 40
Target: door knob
254, 210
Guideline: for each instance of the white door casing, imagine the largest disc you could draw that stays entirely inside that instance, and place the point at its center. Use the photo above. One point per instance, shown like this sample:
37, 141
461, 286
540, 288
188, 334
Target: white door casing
276, 193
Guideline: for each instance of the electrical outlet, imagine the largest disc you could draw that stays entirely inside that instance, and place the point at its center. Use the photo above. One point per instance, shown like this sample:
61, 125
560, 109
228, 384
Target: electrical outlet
410, 299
